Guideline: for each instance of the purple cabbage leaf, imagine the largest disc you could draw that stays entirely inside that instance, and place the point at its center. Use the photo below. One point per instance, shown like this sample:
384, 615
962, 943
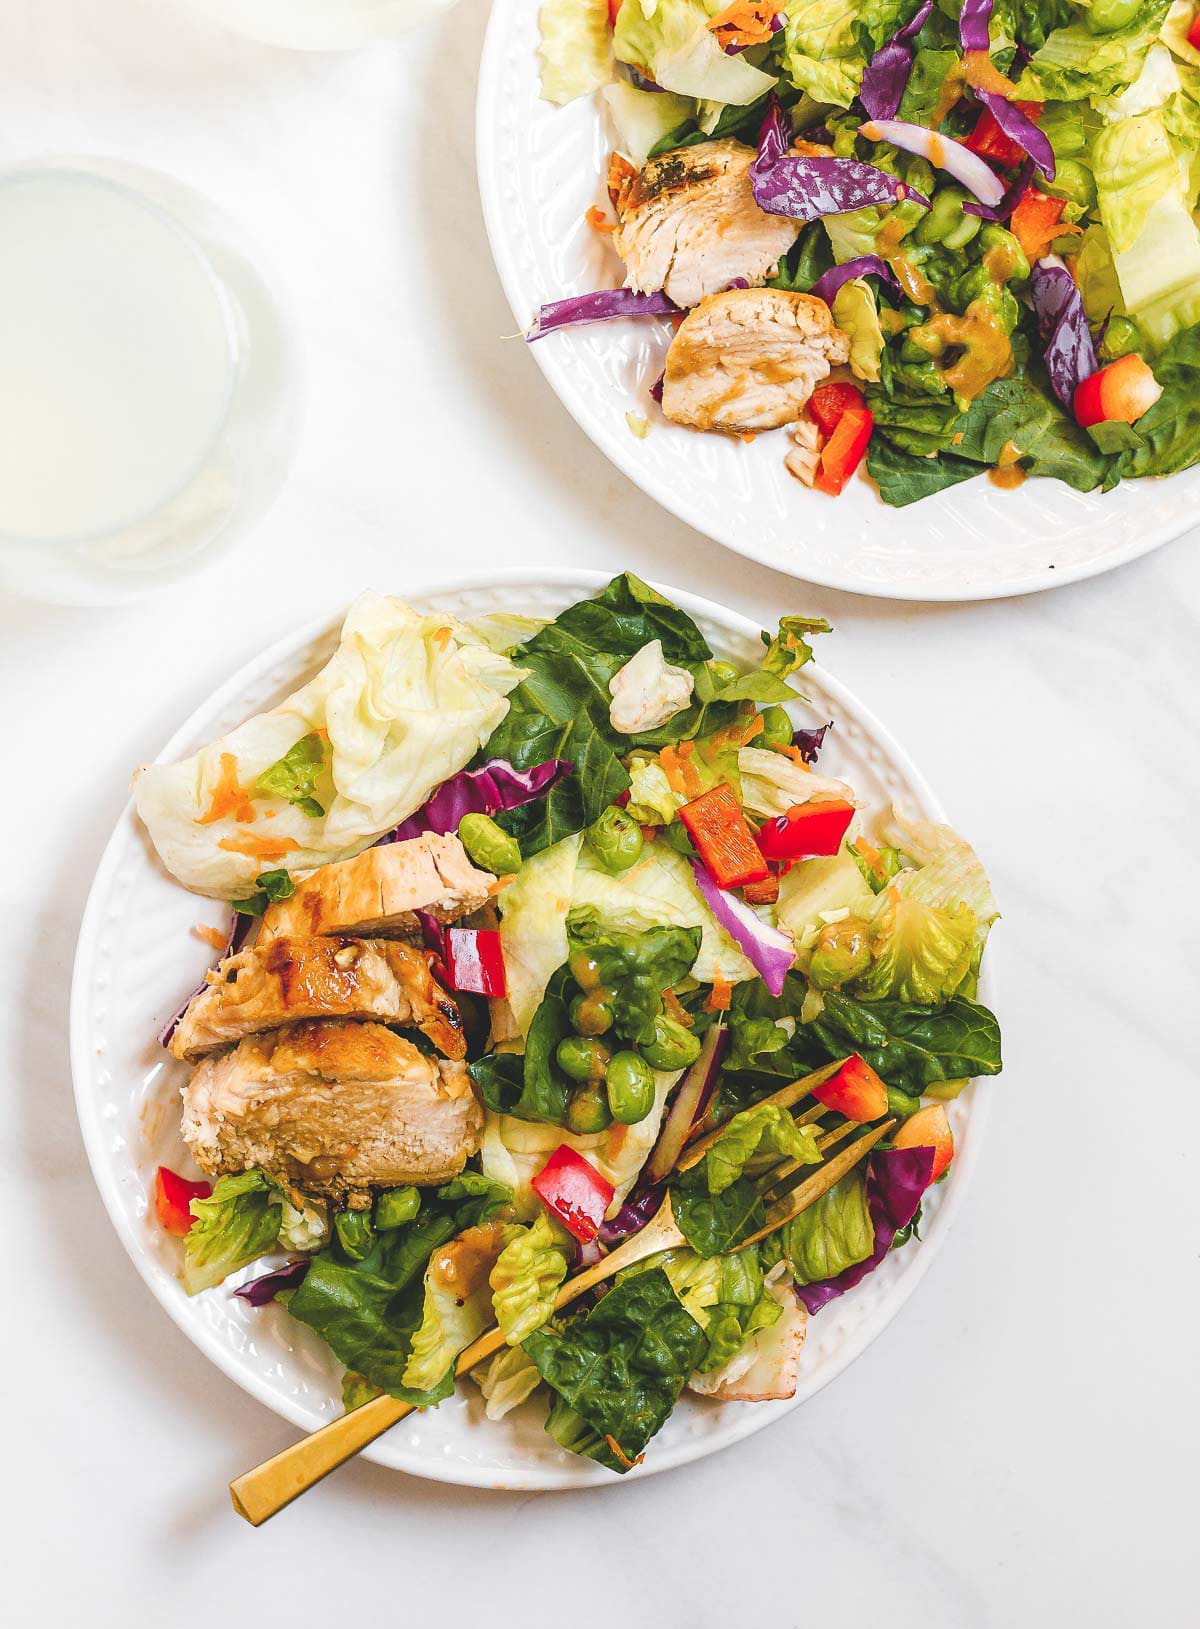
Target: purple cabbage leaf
896, 1180
1069, 353
491, 789
886, 76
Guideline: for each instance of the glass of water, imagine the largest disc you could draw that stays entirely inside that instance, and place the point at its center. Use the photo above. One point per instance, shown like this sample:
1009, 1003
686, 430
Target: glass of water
149, 389
320, 25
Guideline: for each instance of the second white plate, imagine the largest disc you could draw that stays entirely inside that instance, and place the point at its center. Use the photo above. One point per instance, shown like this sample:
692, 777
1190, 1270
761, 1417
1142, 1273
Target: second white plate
539, 171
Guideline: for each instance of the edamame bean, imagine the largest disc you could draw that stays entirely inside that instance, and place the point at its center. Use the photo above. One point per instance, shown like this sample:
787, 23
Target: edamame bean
944, 220
1120, 337
355, 1233
582, 1058
1106, 16
1075, 182
900, 1103
395, 1207
672, 1047
723, 672
841, 952
588, 1111
616, 840
630, 1087
592, 1013
489, 845
777, 728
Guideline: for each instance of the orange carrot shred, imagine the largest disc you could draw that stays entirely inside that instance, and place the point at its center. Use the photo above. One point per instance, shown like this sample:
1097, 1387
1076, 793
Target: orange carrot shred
259, 848
211, 936
228, 798
598, 220
719, 998
620, 1454
676, 1010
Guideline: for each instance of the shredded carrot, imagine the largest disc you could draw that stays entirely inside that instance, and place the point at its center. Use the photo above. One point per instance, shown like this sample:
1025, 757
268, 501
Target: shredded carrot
745, 436
228, 798
621, 175
259, 848
719, 998
598, 220
868, 851
442, 637
738, 734
682, 776
620, 1454
676, 1010
500, 884
790, 750
745, 23
211, 936
617, 1134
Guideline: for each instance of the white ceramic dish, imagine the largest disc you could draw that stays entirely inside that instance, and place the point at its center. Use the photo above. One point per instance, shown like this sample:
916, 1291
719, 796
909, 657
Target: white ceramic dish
540, 169
137, 957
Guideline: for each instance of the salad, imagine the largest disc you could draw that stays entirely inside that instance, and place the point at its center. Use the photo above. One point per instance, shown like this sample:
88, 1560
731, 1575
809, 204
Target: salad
936, 239
543, 933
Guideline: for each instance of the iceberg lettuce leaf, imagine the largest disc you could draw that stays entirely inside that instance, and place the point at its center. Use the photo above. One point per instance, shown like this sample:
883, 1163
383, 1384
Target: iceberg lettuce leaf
574, 48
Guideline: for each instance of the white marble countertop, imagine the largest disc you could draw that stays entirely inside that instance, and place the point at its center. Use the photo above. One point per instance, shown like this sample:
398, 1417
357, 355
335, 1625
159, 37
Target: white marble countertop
1017, 1449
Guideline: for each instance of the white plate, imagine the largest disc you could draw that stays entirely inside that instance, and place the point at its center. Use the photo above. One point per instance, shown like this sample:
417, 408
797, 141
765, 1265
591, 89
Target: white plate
540, 169
137, 958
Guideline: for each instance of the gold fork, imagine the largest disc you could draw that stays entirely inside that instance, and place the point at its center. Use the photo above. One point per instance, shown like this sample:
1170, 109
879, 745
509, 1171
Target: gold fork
260, 1493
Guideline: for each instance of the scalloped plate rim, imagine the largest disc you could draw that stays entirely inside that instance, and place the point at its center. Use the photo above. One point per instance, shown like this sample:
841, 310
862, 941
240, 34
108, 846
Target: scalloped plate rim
745, 1419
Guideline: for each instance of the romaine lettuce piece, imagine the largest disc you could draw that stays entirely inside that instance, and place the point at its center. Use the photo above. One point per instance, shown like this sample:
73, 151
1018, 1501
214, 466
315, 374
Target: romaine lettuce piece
822, 53
533, 926
815, 892
506, 1381
855, 313
235, 1225
670, 42
1075, 64
575, 50
835, 1233
764, 1129
406, 700
457, 1305
526, 1278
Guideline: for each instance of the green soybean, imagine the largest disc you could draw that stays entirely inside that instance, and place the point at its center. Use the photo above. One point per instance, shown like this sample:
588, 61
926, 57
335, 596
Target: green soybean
945, 221
355, 1232
672, 1046
777, 728
723, 672
901, 1103
395, 1207
582, 1058
592, 1014
616, 840
1106, 16
1120, 337
630, 1087
588, 1111
489, 845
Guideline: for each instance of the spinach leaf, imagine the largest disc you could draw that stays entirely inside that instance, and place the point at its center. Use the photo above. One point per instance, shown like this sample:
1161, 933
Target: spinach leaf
532, 1087
740, 122
1170, 432
908, 1046
831, 1235
368, 1311
621, 1366
272, 885
715, 1222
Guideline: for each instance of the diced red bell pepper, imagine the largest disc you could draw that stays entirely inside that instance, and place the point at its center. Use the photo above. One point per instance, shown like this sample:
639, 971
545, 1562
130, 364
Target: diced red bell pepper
1194, 31
1119, 393
989, 141
929, 1128
715, 823
806, 832
474, 961
1037, 221
173, 1197
829, 401
613, 7
843, 452
572, 1189
855, 1091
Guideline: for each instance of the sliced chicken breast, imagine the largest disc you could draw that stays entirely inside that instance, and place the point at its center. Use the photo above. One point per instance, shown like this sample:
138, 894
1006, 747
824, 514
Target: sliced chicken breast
289, 980
379, 892
749, 359
332, 1108
689, 225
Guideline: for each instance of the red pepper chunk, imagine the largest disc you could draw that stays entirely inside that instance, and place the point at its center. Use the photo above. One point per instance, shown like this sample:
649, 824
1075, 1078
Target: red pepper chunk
1194, 31
989, 141
173, 1197
474, 961
572, 1189
1037, 221
855, 1091
723, 839
843, 452
807, 832
1117, 394
829, 401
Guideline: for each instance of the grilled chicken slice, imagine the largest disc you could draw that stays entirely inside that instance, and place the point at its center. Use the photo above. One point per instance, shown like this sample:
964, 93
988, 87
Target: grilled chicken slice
379, 892
289, 980
748, 359
689, 225
332, 1108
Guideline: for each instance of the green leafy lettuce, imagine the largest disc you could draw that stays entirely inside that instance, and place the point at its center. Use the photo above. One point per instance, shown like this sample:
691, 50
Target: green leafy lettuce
834, 1233
669, 41
1076, 63
526, 1278
574, 48
726, 1296
235, 1225
294, 776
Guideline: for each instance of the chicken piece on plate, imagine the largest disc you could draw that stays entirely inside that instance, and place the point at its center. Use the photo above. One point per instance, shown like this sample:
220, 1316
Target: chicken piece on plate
332, 1108
287, 981
749, 359
379, 892
689, 225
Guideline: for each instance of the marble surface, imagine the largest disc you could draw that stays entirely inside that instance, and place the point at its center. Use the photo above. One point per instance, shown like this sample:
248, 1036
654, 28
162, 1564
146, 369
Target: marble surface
1017, 1449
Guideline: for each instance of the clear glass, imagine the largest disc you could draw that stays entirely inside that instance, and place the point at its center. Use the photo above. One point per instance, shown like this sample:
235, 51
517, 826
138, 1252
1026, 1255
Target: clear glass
149, 383
319, 25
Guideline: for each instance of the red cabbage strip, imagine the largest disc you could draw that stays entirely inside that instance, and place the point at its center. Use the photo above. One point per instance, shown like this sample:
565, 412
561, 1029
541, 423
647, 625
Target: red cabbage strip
642, 1204
491, 789
805, 189
809, 742
973, 33
886, 76
239, 930
1069, 353
601, 306
259, 1292
828, 284
896, 1179
1021, 184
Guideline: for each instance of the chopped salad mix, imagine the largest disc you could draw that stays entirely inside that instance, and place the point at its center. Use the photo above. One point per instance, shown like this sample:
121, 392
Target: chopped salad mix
995, 199
686, 916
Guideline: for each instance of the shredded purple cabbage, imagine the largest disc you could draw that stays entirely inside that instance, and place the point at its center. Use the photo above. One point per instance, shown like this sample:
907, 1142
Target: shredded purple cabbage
656, 389
827, 285
643, 1204
1069, 354
600, 306
239, 930
775, 132
973, 34
1021, 184
886, 76
896, 1179
259, 1292
491, 789
810, 742
807, 189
